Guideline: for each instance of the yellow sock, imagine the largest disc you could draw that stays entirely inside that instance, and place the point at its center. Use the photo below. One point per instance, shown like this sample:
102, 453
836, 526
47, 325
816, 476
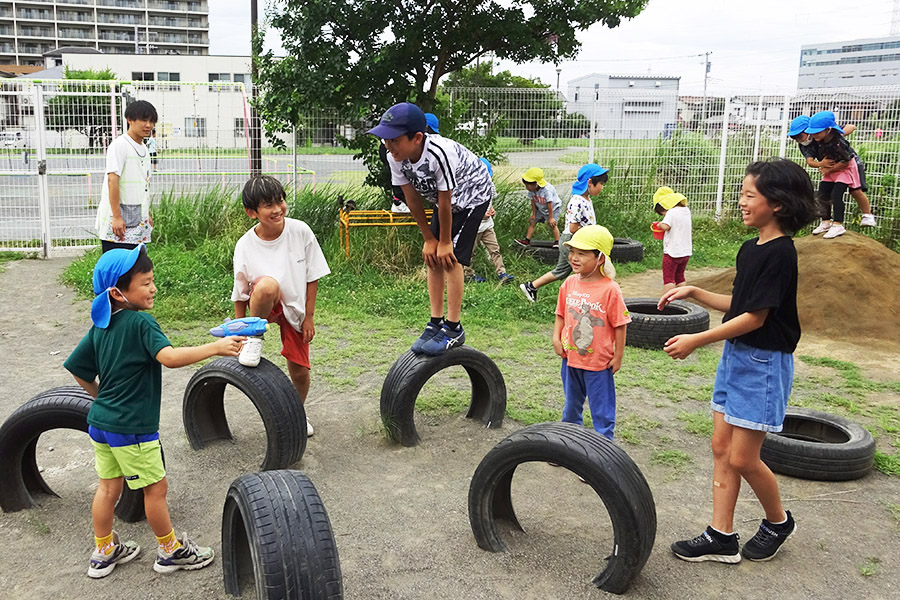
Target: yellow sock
169, 543
104, 544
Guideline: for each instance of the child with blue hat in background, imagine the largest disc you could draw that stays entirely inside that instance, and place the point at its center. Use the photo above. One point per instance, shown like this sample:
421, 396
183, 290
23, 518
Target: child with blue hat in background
838, 175
579, 213
118, 362
812, 153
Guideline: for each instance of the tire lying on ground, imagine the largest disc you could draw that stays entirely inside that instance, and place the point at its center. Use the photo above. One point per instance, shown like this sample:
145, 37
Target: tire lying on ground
409, 373
626, 250
276, 532
600, 462
20, 478
271, 392
542, 250
651, 328
821, 446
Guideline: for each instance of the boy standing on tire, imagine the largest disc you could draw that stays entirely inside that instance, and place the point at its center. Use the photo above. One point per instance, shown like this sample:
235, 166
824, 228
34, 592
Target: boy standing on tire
451, 177
277, 267
754, 378
589, 332
125, 348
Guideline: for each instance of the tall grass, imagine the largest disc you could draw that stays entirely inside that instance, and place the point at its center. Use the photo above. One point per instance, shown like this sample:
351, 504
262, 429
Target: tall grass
194, 238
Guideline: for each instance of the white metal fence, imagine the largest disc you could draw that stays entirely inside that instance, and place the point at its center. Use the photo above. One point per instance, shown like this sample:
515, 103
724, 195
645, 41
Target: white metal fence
53, 136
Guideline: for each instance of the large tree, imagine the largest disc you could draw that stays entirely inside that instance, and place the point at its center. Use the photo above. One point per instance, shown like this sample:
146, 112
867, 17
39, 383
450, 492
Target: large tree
73, 107
364, 55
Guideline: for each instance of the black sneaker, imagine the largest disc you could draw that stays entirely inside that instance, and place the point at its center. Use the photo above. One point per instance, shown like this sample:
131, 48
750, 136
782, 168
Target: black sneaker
709, 545
768, 540
529, 290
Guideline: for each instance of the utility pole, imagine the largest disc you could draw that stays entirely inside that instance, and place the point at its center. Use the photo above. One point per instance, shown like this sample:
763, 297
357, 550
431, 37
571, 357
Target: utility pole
705, 79
255, 133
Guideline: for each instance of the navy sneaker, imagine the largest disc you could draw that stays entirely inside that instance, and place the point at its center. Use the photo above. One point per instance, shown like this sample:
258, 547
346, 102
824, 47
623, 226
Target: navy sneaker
529, 290
709, 545
768, 540
505, 278
431, 330
476, 278
444, 340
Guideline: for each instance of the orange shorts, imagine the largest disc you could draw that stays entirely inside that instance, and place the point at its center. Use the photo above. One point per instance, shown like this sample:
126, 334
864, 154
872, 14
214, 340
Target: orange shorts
293, 347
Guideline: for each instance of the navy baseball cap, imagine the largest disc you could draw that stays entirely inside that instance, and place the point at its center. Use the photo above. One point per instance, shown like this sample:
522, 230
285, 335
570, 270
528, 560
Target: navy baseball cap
401, 118
112, 265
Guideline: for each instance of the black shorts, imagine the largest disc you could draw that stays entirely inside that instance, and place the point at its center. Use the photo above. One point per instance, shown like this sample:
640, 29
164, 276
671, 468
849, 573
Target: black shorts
462, 231
861, 167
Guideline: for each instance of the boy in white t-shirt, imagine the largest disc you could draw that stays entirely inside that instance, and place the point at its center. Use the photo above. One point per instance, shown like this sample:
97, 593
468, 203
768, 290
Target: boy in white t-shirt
453, 179
677, 242
277, 267
123, 217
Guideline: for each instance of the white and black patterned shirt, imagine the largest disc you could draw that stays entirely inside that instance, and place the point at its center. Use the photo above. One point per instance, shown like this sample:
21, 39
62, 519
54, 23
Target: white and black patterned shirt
446, 165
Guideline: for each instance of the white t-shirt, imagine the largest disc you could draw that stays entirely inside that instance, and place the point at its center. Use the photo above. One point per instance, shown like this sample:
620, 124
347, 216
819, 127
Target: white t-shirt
677, 241
293, 260
445, 165
129, 160
580, 210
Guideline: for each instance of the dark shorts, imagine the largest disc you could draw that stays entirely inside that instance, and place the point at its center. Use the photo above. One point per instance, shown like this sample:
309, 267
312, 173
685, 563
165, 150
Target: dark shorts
861, 167
673, 268
153, 159
462, 231
106, 245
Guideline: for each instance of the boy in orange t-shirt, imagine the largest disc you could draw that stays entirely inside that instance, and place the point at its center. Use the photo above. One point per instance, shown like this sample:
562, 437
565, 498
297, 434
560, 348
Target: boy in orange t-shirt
589, 332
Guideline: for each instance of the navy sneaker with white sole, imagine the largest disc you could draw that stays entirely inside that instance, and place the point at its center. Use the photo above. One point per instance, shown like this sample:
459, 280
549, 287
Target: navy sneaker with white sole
445, 339
431, 330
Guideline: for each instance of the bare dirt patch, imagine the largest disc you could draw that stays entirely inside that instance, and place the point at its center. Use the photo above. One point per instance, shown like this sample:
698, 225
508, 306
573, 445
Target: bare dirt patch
399, 514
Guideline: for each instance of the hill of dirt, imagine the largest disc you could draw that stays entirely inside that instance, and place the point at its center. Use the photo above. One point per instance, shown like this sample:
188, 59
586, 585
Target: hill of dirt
848, 287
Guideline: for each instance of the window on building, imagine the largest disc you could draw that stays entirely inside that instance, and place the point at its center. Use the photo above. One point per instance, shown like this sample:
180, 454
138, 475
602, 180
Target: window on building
141, 76
164, 76
239, 127
213, 77
194, 127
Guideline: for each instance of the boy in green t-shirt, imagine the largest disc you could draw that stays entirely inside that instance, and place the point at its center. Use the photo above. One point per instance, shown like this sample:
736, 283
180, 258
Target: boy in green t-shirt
126, 347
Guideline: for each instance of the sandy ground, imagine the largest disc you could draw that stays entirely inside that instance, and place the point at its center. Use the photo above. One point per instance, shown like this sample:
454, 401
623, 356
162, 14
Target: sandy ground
399, 514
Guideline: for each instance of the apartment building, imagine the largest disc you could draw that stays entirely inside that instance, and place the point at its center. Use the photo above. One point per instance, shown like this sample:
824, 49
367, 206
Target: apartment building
29, 29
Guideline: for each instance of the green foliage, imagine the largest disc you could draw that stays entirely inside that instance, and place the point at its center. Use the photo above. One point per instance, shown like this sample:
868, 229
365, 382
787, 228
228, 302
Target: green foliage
698, 423
870, 567
84, 113
889, 464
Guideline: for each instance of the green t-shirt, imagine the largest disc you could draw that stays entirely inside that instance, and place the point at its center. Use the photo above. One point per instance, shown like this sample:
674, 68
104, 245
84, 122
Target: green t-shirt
124, 356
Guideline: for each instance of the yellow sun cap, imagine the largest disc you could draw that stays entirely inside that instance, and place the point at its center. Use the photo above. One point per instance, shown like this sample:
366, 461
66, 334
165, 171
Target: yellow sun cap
592, 237
670, 201
535, 175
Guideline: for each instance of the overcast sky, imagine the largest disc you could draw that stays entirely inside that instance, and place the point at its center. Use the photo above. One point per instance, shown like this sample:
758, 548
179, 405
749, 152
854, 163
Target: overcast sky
754, 46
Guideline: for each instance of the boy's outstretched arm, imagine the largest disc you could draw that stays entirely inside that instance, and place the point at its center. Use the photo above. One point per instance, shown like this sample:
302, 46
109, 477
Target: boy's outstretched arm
444, 256
180, 357
91, 387
308, 327
681, 346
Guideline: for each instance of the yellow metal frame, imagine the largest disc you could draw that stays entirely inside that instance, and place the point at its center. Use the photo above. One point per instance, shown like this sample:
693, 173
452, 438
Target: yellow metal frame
372, 218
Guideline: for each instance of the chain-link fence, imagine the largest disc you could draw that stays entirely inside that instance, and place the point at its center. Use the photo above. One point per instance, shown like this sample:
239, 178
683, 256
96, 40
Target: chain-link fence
53, 137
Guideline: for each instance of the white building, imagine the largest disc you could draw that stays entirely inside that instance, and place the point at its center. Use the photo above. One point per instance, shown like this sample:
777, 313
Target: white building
863, 62
28, 29
626, 106
192, 113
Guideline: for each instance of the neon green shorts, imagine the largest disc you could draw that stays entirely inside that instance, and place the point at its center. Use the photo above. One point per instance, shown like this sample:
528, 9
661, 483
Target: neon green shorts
140, 464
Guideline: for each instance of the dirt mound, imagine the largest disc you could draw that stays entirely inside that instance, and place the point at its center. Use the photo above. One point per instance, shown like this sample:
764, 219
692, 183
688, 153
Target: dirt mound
848, 287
